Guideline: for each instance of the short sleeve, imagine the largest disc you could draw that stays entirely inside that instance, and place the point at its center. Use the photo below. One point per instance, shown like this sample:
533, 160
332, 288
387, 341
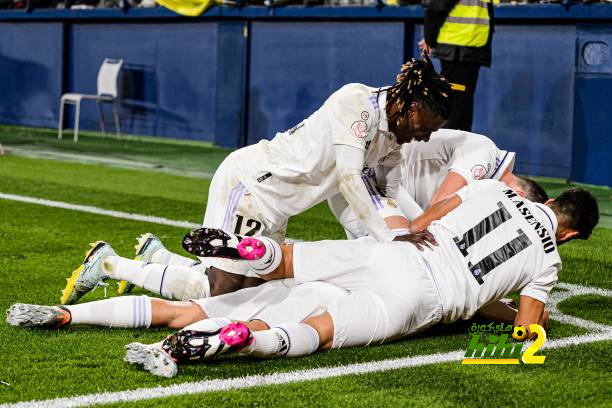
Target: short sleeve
540, 287
352, 117
474, 189
474, 164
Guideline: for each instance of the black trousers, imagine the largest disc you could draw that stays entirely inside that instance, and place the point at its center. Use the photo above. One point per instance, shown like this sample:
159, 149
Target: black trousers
464, 75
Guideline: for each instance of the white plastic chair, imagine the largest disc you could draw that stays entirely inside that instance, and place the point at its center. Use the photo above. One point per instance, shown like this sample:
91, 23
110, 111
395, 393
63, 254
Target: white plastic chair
108, 80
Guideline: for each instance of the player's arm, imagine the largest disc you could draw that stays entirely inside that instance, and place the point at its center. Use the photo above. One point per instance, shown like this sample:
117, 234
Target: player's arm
349, 164
451, 183
408, 204
435, 212
505, 311
470, 161
530, 312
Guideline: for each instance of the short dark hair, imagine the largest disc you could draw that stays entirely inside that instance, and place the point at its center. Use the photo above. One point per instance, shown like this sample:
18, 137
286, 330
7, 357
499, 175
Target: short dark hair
580, 210
533, 191
419, 82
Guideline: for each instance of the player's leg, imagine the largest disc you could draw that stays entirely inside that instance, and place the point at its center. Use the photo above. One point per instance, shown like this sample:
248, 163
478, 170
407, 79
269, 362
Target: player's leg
232, 208
327, 261
262, 256
150, 249
102, 263
123, 312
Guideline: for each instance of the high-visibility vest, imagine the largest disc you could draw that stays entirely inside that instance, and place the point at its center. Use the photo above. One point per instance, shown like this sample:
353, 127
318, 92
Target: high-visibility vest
467, 24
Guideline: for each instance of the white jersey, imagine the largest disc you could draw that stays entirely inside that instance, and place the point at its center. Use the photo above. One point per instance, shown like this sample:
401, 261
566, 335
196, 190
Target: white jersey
473, 156
297, 169
495, 242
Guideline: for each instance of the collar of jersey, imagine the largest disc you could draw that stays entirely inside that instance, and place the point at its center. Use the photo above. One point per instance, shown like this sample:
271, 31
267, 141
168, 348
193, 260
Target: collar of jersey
549, 216
503, 161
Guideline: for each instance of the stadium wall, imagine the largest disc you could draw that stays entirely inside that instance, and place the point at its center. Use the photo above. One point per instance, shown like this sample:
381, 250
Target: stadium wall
235, 76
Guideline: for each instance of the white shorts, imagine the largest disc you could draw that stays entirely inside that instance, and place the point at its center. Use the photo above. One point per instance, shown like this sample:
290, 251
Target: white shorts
231, 207
392, 292
275, 302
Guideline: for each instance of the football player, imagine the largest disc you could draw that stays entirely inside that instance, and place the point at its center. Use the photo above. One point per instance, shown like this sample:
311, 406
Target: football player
257, 188
489, 242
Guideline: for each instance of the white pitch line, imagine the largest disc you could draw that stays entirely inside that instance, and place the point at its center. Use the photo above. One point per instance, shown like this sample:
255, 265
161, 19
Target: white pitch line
106, 161
572, 290
100, 211
200, 387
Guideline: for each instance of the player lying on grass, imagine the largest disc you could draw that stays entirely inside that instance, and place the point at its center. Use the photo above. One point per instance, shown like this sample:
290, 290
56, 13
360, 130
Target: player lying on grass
331, 294
431, 171
452, 156
257, 188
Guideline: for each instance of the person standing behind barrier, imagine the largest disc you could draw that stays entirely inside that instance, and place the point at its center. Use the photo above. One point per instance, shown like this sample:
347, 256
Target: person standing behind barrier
459, 33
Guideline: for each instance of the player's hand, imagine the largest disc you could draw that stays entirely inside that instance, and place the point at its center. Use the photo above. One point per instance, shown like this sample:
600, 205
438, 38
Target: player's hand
424, 46
421, 240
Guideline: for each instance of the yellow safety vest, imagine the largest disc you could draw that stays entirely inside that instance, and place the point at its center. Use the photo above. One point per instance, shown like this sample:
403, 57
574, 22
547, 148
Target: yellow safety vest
467, 24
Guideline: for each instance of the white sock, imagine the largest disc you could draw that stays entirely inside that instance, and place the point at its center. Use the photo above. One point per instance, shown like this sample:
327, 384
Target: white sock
163, 256
171, 281
287, 339
270, 260
124, 311
209, 325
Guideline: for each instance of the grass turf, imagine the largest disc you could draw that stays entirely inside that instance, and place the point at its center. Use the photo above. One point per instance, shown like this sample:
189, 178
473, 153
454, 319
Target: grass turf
40, 246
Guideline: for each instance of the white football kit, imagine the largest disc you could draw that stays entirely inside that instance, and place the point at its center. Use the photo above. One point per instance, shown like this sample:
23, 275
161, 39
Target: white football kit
493, 243
424, 165
257, 188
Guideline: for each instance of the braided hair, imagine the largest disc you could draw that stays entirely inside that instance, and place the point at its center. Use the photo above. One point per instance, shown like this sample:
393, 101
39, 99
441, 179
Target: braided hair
419, 82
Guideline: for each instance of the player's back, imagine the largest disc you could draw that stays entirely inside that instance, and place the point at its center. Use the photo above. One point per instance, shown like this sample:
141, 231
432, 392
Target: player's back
493, 243
297, 169
425, 165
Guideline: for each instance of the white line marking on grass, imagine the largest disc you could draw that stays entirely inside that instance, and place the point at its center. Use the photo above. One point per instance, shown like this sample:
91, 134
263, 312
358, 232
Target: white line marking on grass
572, 290
110, 213
106, 161
100, 211
278, 378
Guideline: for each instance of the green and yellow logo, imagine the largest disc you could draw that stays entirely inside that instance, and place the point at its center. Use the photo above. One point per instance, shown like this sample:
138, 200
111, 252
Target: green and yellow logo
498, 350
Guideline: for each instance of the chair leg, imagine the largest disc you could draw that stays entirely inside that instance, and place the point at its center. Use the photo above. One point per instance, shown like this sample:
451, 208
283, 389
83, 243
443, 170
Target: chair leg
60, 126
117, 124
76, 121
101, 118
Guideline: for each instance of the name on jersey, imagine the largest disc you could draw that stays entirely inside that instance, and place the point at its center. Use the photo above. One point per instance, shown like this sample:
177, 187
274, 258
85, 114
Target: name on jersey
539, 228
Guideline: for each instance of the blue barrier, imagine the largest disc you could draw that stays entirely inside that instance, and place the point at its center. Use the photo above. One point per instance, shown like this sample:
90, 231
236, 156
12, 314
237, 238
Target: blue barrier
592, 123
235, 76
296, 66
31, 66
171, 82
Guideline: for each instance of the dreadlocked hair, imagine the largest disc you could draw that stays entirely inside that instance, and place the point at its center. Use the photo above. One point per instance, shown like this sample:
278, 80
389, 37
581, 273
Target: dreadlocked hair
419, 82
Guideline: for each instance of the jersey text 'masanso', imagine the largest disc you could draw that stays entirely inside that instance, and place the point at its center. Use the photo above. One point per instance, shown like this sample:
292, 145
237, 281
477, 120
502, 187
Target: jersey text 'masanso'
495, 242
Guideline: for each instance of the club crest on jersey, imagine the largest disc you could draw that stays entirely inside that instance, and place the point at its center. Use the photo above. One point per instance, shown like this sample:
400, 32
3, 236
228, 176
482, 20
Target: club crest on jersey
479, 172
547, 241
360, 129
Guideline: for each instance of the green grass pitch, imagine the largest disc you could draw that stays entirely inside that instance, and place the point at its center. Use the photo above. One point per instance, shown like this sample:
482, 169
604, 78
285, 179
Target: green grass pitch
40, 246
